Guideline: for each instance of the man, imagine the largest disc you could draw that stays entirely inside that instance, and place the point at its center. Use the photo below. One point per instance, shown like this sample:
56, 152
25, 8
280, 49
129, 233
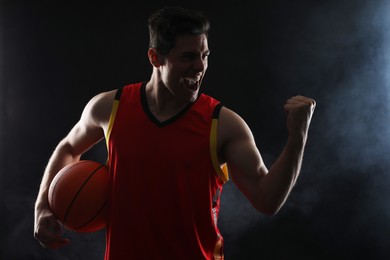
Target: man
168, 148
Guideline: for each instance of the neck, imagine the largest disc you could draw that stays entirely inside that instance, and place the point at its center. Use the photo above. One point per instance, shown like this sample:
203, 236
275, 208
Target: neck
162, 103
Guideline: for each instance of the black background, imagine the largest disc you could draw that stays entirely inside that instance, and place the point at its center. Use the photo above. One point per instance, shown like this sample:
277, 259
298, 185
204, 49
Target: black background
55, 56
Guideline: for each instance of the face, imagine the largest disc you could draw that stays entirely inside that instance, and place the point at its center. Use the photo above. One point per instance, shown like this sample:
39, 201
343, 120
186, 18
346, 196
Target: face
183, 68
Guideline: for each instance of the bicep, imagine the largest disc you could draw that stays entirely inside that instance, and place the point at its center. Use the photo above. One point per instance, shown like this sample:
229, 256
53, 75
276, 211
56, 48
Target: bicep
245, 164
82, 137
90, 129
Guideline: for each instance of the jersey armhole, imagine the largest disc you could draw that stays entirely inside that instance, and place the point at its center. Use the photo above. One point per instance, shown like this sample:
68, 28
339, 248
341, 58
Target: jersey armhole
222, 171
113, 115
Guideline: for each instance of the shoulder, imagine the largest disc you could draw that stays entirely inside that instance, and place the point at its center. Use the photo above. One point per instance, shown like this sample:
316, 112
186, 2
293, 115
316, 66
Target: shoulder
98, 109
231, 123
232, 128
102, 99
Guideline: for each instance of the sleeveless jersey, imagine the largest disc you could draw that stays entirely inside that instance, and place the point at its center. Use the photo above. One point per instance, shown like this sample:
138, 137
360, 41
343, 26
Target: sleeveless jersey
165, 180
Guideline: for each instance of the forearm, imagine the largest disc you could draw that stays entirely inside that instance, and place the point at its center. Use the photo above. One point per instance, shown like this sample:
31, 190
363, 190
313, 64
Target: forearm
46, 228
266, 189
61, 157
282, 176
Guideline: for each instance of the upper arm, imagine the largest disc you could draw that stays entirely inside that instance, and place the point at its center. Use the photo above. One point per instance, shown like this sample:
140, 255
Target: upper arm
92, 125
238, 149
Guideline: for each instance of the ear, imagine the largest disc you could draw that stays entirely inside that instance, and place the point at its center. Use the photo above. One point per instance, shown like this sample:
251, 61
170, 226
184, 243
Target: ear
154, 57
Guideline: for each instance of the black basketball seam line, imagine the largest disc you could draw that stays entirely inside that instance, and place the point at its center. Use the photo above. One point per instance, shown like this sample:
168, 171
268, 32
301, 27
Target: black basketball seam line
78, 192
67, 210
98, 212
54, 188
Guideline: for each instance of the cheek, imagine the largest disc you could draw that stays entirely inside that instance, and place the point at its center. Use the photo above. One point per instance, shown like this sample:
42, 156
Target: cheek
205, 64
167, 75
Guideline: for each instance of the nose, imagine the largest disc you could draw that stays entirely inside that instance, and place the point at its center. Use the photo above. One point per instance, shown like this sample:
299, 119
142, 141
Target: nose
200, 64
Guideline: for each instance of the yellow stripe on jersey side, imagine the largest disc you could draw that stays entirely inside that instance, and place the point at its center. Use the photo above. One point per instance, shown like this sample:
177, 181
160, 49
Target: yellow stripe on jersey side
221, 171
111, 122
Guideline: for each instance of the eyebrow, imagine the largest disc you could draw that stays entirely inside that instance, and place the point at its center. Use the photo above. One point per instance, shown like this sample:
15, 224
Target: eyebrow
194, 52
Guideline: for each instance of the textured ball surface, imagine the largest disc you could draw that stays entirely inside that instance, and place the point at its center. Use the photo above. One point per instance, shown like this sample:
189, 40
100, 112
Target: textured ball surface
78, 196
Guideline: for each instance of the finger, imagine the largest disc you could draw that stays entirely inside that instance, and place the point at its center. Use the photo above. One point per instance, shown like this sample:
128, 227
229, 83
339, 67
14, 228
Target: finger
58, 243
301, 101
49, 239
54, 242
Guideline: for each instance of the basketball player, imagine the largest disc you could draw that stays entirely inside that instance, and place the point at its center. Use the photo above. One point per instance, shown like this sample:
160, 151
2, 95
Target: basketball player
168, 148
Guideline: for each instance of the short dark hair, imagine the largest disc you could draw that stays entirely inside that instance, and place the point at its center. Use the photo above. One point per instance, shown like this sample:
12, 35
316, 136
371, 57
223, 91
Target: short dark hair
167, 23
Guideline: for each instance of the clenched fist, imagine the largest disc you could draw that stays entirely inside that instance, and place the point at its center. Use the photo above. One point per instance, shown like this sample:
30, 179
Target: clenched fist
299, 111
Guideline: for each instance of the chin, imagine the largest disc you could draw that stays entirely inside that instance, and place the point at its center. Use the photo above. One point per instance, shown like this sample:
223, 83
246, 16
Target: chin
191, 98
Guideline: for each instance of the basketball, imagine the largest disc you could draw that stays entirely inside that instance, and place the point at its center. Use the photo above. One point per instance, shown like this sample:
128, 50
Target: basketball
78, 196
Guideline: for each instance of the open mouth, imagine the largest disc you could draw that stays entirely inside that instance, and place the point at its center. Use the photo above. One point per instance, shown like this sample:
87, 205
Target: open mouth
191, 83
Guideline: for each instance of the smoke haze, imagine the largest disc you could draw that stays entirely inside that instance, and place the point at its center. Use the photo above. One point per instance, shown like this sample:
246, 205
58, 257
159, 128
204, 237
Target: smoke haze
54, 58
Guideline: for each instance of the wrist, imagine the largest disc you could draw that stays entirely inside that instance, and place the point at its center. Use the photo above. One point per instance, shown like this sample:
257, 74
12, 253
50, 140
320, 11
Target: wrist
296, 141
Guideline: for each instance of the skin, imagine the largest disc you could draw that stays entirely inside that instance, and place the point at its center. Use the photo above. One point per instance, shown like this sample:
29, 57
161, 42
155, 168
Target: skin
167, 93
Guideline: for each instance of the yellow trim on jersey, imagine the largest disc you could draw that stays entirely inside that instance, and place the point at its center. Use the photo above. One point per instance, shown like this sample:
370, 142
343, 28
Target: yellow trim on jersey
111, 122
221, 171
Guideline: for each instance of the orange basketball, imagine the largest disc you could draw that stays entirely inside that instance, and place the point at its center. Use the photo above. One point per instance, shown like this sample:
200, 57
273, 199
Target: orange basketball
78, 196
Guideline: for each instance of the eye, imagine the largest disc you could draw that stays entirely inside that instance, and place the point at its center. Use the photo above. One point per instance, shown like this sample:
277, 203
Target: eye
206, 55
188, 56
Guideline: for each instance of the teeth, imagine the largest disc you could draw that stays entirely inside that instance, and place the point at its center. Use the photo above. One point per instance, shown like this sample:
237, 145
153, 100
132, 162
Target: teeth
191, 81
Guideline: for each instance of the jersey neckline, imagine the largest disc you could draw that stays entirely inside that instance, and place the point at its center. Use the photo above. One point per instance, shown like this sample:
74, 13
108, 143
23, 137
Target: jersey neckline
151, 116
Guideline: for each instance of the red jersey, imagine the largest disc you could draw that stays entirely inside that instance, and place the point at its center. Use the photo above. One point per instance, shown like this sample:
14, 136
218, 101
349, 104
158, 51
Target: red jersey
165, 180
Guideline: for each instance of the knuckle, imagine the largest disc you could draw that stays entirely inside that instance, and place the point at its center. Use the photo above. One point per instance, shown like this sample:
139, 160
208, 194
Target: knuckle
37, 233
